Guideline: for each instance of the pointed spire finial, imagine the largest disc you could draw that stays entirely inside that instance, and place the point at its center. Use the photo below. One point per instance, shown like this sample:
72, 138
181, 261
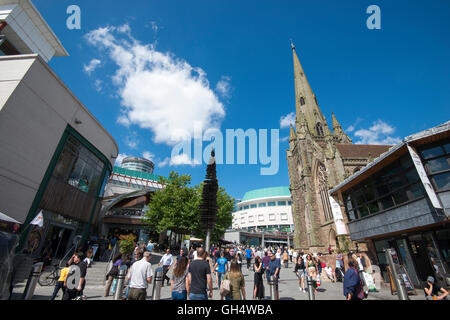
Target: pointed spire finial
292, 44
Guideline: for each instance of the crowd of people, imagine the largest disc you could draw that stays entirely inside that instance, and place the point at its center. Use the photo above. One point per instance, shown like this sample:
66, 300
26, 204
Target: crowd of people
194, 271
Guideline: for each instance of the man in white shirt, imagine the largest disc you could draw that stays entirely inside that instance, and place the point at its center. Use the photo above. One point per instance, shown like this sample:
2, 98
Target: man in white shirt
139, 277
167, 261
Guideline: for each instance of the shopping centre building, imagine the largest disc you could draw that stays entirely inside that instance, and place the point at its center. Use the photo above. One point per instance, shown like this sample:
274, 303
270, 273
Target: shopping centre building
264, 209
54, 154
401, 200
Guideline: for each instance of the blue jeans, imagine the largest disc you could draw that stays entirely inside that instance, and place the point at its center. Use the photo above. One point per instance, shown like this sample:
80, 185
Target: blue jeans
179, 295
228, 298
220, 276
198, 296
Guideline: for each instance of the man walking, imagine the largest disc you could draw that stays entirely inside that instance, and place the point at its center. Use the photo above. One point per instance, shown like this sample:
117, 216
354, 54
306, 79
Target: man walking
140, 276
77, 260
248, 255
199, 276
167, 261
274, 267
222, 268
150, 246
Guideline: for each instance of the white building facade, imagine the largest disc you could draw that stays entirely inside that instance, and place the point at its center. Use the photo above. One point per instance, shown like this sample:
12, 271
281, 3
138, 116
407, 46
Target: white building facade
267, 209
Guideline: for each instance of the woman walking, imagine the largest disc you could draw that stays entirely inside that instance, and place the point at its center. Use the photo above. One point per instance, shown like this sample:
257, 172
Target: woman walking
258, 289
178, 286
237, 283
312, 269
113, 273
352, 282
301, 273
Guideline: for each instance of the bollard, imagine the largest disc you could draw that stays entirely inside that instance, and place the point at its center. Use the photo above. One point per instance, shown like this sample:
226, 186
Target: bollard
32, 281
156, 292
120, 282
401, 289
272, 288
310, 283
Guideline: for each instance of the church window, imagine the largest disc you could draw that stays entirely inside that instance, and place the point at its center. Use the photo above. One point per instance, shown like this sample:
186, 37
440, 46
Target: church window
302, 101
323, 193
319, 129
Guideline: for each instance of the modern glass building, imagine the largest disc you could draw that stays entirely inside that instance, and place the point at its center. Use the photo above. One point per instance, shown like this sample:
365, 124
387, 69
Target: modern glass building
402, 201
264, 209
138, 164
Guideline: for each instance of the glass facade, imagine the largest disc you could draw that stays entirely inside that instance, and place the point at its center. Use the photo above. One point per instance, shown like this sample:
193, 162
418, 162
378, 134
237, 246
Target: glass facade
79, 167
436, 160
393, 186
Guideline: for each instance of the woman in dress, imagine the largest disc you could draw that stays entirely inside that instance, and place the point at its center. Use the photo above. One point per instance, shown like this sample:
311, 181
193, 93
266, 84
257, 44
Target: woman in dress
237, 283
258, 291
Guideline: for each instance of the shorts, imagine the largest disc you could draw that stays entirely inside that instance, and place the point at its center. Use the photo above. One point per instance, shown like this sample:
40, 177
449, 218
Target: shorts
301, 273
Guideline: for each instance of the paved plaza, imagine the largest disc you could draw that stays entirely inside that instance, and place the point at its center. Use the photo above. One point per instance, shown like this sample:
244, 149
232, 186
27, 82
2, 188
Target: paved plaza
288, 287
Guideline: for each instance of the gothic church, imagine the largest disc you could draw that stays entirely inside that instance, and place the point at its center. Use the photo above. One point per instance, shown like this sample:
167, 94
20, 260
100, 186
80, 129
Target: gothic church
318, 160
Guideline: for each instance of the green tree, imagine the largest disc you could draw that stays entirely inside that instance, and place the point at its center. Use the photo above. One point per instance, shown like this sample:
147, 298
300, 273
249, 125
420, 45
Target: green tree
175, 206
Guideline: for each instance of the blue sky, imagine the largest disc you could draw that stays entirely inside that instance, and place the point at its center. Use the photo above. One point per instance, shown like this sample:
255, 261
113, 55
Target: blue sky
233, 62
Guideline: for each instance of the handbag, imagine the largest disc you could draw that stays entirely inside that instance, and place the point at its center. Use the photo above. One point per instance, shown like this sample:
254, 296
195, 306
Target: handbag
225, 286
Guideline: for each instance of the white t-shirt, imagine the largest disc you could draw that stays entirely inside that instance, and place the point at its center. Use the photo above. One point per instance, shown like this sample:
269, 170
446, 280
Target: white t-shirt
139, 272
295, 254
195, 254
290, 252
278, 255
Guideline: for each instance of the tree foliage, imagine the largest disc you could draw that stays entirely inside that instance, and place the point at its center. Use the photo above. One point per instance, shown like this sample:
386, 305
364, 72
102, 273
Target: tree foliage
176, 208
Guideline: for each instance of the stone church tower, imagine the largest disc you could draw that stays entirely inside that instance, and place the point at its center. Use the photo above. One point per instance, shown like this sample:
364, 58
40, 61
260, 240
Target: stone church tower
318, 160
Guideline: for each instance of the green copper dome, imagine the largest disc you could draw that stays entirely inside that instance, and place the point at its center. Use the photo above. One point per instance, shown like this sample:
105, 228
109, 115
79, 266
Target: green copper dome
267, 193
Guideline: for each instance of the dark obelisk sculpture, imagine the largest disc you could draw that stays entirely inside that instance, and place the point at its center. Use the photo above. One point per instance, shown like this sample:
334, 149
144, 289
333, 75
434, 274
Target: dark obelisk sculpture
208, 205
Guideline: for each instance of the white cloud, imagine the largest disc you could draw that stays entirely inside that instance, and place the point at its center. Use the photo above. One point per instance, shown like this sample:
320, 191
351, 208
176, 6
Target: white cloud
351, 129
148, 155
98, 85
154, 26
93, 64
178, 160
158, 91
287, 120
119, 159
284, 139
379, 133
132, 140
223, 87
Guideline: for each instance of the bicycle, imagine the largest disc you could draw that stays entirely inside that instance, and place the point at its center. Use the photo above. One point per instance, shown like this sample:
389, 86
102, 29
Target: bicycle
49, 277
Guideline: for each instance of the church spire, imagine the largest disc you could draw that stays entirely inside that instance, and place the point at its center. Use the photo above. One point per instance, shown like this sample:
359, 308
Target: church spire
340, 135
305, 99
336, 124
292, 135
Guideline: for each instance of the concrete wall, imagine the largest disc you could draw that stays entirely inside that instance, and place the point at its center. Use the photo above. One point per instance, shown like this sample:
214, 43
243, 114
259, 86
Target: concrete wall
415, 214
35, 109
